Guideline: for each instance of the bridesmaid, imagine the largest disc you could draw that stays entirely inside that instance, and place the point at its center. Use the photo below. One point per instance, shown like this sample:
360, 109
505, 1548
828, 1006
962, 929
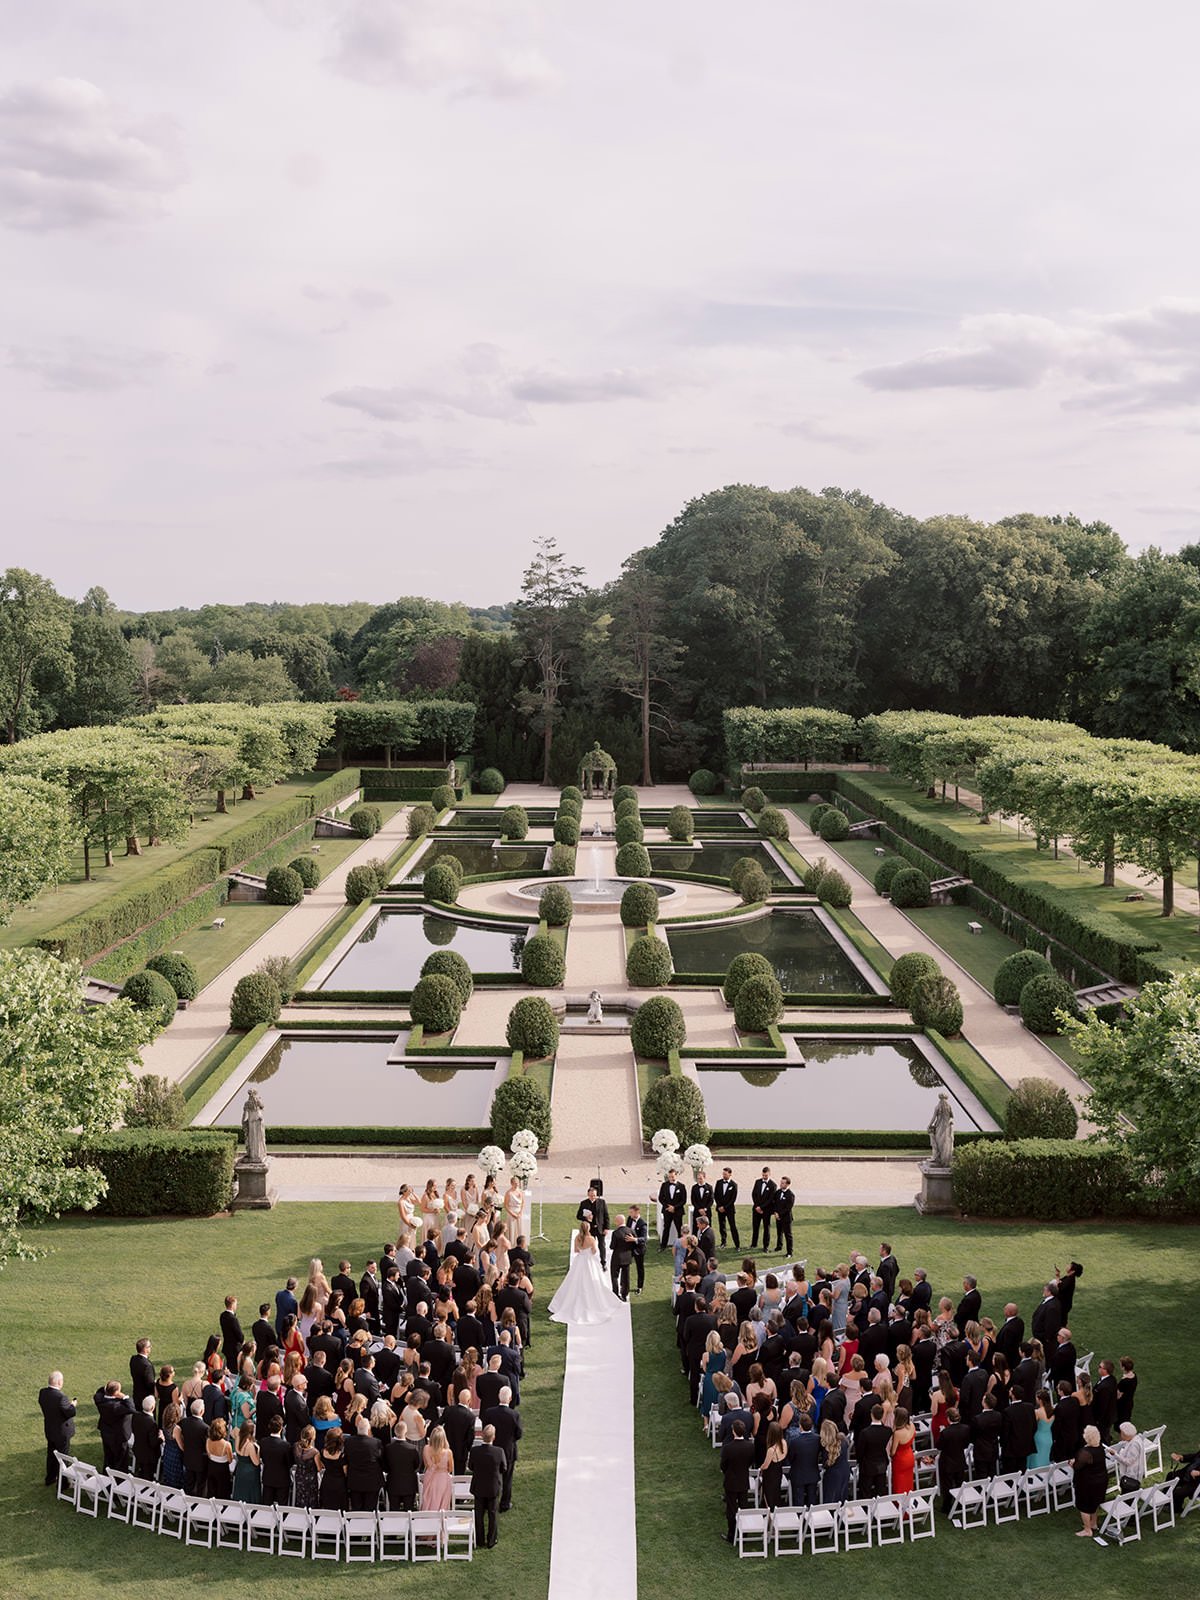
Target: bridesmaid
514, 1206
410, 1217
247, 1478
470, 1198
431, 1209
453, 1210
220, 1461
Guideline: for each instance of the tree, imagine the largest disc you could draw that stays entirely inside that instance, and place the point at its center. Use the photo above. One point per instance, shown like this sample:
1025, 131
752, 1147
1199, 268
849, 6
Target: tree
149, 679
239, 676
183, 667
35, 640
550, 592
104, 665
64, 1071
643, 655
37, 835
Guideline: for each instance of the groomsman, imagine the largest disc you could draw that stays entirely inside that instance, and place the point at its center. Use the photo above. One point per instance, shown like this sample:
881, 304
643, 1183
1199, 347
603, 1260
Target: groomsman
762, 1200
702, 1199
785, 1204
725, 1200
671, 1198
636, 1223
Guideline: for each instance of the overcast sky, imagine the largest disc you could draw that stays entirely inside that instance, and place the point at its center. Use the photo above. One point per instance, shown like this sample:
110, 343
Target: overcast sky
333, 299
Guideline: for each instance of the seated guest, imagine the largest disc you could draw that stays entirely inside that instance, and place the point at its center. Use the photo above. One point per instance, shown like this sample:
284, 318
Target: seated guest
1186, 1477
1129, 1453
147, 1440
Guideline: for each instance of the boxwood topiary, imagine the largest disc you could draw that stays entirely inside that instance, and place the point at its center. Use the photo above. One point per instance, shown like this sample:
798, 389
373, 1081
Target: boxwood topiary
756, 886
179, 972
813, 874
566, 830
532, 1027
555, 905
514, 822
436, 1003
834, 826
283, 970
307, 870
150, 992
626, 808
572, 792
366, 821
678, 1104
155, 1102
441, 882
639, 905
256, 1000
489, 781
572, 809
773, 824
758, 1003
935, 1003
753, 799
750, 964
449, 964
680, 826
818, 814
361, 884
542, 962
443, 797
624, 791
648, 964
910, 888
1039, 1109
908, 971
420, 819
284, 887
562, 860
633, 860
834, 890
657, 1028
739, 870
629, 831
886, 871
455, 865
1014, 972
520, 1103
702, 781
1042, 998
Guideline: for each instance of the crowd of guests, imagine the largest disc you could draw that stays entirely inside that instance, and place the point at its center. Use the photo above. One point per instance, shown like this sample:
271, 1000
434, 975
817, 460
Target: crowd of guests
347, 1392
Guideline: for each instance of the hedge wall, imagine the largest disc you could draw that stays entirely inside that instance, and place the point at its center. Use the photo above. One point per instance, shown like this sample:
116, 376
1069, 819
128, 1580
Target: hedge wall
401, 783
453, 1138
153, 1172
126, 912
328, 791
252, 838
789, 785
134, 953
1052, 1180
835, 1138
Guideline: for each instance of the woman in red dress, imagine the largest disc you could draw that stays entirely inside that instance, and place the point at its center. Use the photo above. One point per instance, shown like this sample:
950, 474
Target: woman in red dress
944, 1396
901, 1451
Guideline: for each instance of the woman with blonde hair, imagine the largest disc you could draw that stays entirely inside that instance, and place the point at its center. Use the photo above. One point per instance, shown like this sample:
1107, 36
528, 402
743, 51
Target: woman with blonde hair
451, 1211
409, 1213
853, 1381
466, 1375
711, 1362
192, 1388
317, 1279
382, 1419
437, 1480
431, 1209
413, 1415
835, 1454
745, 1355
293, 1363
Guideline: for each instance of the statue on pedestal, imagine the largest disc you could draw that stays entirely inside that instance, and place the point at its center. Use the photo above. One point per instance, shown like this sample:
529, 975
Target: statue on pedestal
595, 1008
941, 1132
254, 1131
251, 1169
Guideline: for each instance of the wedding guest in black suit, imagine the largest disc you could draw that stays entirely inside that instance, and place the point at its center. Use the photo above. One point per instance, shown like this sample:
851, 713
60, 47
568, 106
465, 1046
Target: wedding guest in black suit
1104, 1401
706, 1239
1065, 1286
1028, 1373
391, 1299
343, 1283
364, 1470
952, 1456
115, 1409
987, 1428
231, 1332
970, 1304
725, 1200
268, 1404
1066, 1429
295, 1409
509, 1431
487, 1466
804, 1457
263, 1333
276, 1454
141, 1373
1017, 1434
737, 1458
702, 1200
320, 1379
369, 1292
58, 1421
784, 1205
622, 1256
871, 1450
972, 1389
1048, 1318
458, 1424
402, 1463
1010, 1335
924, 1355
671, 1198
193, 1430
636, 1223
762, 1203
1062, 1358
147, 1440
888, 1270
922, 1293
286, 1305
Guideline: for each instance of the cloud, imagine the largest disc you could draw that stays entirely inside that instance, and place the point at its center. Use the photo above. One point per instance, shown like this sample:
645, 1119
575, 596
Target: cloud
371, 299
75, 365
466, 47
69, 158
408, 403
399, 456
818, 433
1002, 352
556, 389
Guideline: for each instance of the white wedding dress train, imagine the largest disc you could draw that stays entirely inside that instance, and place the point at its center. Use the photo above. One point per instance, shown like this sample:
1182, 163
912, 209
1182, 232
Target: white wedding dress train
584, 1297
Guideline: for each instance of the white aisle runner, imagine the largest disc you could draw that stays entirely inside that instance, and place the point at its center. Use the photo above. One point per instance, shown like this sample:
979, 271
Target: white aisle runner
593, 1547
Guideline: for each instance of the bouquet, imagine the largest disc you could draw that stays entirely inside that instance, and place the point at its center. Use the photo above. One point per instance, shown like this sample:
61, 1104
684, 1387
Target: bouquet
698, 1157
524, 1166
491, 1159
524, 1139
668, 1162
665, 1142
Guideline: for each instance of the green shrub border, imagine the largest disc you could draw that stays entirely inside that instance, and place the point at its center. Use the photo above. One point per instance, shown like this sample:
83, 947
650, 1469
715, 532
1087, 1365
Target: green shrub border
218, 1066
452, 1138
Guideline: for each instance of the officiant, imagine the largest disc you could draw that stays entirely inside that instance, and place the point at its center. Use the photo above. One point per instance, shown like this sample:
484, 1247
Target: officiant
594, 1210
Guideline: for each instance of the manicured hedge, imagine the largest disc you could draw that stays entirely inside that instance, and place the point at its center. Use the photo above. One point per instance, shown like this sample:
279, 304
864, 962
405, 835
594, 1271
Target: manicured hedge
791, 1139
910, 888
126, 912
907, 971
307, 870
833, 826
179, 971
514, 823
420, 819
155, 1172
1039, 1109
256, 999
680, 826
648, 964
449, 964
628, 807
633, 860
624, 791
675, 1103
749, 964
754, 799
566, 829
362, 883
1042, 998
441, 883
443, 797
489, 781
366, 821
436, 1003
555, 906
422, 1138
834, 890
639, 905
758, 1003
754, 885
133, 953
150, 992
935, 1003
1050, 1180
328, 791
543, 962
886, 871
532, 1027
773, 823
629, 830
562, 860
284, 887
520, 1103
658, 1028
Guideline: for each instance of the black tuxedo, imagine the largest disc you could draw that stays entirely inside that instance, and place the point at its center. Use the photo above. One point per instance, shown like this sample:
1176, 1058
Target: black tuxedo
276, 1455
364, 1470
1062, 1363
1104, 1406
58, 1422
833, 1409
268, 1404
231, 1338
702, 1201
737, 1458
671, 1198
762, 1198
695, 1334
459, 1423
952, 1459
349, 1290
872, 1342
508, 1434
368, 1291
889, 1271
968, 1309
1066, 1429
216, 1403
598, 1222
725, 1193
487, 1389
1017, 1434
402, 1461
622, 1255
924, 1354
899, 1331
466, 1283
1047, 1320
264, 1337
785, 1204
116, 1417
971, 1393
141, 1376
469, 1333
320, 1381
147, 1444
641, 1237
488, 1469
921, 1298
986, 1431
1008, 1341
871, 1449
194, 1432
391, 1306
295, 1415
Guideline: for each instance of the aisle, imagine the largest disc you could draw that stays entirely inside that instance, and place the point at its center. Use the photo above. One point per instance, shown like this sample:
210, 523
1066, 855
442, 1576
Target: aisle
593, 1544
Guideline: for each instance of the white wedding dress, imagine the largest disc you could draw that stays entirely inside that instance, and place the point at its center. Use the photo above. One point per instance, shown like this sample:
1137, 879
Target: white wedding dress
584, 1297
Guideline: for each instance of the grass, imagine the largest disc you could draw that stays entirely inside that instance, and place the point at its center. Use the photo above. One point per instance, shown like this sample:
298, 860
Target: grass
679, 1511
979, 953
110, 1281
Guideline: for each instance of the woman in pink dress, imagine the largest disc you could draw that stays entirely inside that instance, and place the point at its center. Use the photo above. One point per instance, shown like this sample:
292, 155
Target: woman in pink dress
900, 1449
437, 1481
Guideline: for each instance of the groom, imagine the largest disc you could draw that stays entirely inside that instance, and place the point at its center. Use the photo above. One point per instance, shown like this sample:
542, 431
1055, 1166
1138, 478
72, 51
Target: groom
621, 1247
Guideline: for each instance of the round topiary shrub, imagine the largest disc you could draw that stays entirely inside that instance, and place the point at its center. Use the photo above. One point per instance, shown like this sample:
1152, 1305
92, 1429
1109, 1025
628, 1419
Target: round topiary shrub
361, 884
629, 831
680, 826
156, 1102
420, 819
520, 1103
753, 799
542, 962
150, 992
489, 781
813, 873
443, 797
886, 871
624, 791
678, 1104
570, 808
834, 826
562, 860
1014, 972
532, 1027
739, 870
455, 866
307, 870
935, 1003
284, 887
366, 821
758, 1003
283, 970
657, 1028
572, 792
648, 964
908, 971
449, 964
555, 905
818, 814
750, 964
566, 830
1042, 998
436, 1003
514, 822
772, 823
626, 808
756, 886
256, 1000
179, 972
1039, 1109
910, 888
639, 905
442, 883
702, 781
833, 890
633, 860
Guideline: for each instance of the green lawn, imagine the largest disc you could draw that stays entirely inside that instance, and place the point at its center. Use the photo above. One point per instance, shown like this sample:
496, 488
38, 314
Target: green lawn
679, 1482
108, 1282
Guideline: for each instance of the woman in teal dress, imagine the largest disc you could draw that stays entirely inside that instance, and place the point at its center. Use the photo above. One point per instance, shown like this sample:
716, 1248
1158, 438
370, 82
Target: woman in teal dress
711, 1362
242, 1400
1042, 1438
247, 1479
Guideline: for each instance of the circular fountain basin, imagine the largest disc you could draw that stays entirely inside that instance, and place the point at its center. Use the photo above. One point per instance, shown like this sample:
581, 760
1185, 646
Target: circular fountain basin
590, 894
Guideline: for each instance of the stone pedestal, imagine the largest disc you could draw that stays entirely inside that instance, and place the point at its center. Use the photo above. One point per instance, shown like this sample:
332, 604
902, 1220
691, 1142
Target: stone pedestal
252, 1193
936, 1198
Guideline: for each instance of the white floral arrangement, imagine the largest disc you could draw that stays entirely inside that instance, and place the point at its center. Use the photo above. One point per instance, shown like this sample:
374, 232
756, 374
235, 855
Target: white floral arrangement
698, 1157
665, 1142
668, 1162
524, 1166
524, 1139
492, 1159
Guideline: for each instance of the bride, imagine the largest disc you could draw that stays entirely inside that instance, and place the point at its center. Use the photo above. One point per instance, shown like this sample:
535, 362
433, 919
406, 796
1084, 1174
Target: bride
583, 1297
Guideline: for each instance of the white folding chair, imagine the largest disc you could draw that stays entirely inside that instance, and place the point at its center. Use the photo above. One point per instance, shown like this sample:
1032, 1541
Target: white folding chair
172, 1513
1152, 1445
755, 1493
714, 1421
1192, 1503
1084, 1363
1062, 1485
325, 1536
393, 1535
458, 1536
122, 1495
925, 1473
262, 1529
1035, 1485
752, 1530
426, 1535
788, 1530
1005, 1496
464, 1500
93, 1490
1122, 1518
969, 1506
200, 1523
360, 1534
824, 1529
68, 1476
231, 1524
147, 1502
889, 1520
921, 1521
292, 1532
1159, 1502
858, 1525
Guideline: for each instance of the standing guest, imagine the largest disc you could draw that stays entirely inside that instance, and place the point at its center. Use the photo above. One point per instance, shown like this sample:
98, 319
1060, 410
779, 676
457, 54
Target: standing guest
1064, 1286
952, 1446
364, 1469
872, 1452
305, 1457
945, 1400
1126, 1389
193, 1431
1062, 1361
141, 1373
1104, 1401
247, 1467
166, 1392
784, 1205
171, 1469
1028, 1373
402, 1464
231, 1332
1018, 1435
487, 1479
369, 1292
458, 1424
971, 1303
58, 1422
1067, 1428
332, 1492
922, 1292
671, 1197
437, 1482
263, 1333
1048, 1318
1043, 1438
835, 1454
771, 1468
213, 1396
974, 1387
900, 1451
762, 1204
924, 1354
147, 1440
725, 1201
702, 1200
804, 1453
737, 1458
1091, 1481
1010, 1335
286, 1304
343, 1282
115, 1409
509, 1431
295, 1408
839, 1299
219, 1452
986, 1429
276, 1458
636, 1222
889, 1269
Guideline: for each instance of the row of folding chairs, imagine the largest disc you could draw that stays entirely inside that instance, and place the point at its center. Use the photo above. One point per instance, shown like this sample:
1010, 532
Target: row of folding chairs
1011, 1495
854, 1525
1122, 1517
269, 1530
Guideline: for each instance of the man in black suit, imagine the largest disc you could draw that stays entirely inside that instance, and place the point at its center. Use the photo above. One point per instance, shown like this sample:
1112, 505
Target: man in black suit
1047, 1320
343, 1280
744, 1298
762, 1206
594, 1211
1104, 1401
833, 1409
214, 1398
725, 1200
888, 1270
508, 1431
276, 1455
295, 1408
320, 1379
369, 1290
402, 1462
622, 1255
872, 1340
784, 1205
458, 1421
365, 1381
515, 1299
871, 1450
733, 1411
954, 1358
194, 1431
972, 1390
467, 1282
58, 1422
706, 1239
671, 1198
636, 1223
1064, 1286
268, 1404
141, 1374
899, 1331
470, 1331
231, 1332
986, 1430
1061, 1360
115, 1409
737, 1458
263, 1333
804, 1458
147, 1440
1017, 1434
924, 1355
391, 1301
970, 1304
286, 1305
695, 1334
922, 1296
951, 1447
326, 1339
364, 1469
489, 1384
1066, 1426
487, 1465
860, 1417
1010, 1335
702, 1200
1027, 1374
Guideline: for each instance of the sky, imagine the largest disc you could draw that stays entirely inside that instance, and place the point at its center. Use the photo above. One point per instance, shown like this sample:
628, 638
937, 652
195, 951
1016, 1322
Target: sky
347, 299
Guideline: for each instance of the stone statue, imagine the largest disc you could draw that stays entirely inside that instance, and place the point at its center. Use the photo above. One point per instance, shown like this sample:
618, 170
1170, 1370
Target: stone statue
941, 1132
595, 1009
597, 830
254, 1128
